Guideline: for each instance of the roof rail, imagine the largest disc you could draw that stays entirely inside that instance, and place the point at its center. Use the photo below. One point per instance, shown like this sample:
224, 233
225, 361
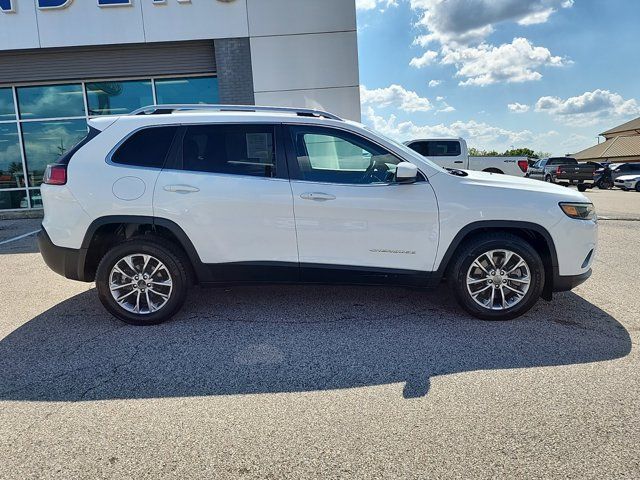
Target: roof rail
171, 108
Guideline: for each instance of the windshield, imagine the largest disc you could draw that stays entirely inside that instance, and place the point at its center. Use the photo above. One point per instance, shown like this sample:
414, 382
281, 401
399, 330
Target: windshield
405, 149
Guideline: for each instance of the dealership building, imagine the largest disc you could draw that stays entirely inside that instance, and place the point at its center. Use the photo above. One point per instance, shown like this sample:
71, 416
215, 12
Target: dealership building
65, 61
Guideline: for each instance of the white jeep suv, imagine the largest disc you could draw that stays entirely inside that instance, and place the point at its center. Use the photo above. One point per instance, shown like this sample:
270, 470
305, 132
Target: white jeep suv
174, 195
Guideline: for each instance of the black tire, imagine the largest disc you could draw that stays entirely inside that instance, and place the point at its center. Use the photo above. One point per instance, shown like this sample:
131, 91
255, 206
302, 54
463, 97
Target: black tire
638, 187
605, 184
582, 188
548, 179
470, 250
163, 250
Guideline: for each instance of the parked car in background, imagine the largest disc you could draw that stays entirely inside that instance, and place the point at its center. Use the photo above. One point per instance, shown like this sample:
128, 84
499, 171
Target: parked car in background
564, 171
453, 153
620, 169
628, 182
580, 174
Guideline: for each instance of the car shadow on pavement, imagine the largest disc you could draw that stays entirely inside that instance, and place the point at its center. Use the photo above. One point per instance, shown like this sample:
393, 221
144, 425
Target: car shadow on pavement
290, 339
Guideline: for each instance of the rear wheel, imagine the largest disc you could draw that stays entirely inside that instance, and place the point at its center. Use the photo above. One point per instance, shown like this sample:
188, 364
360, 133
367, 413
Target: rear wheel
548, 179
142, 281
582, 187
638, 187
497, 276
605, 184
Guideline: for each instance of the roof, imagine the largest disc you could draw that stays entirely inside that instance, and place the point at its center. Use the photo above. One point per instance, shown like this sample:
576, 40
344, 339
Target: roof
625, 127
616, 147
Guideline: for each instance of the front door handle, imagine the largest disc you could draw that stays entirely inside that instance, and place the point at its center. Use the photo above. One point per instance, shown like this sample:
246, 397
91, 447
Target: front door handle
458, 161
317, 196
181, 189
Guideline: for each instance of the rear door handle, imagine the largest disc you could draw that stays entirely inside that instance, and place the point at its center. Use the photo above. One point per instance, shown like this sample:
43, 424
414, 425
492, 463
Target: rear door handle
317, 196
181, 189
457, 161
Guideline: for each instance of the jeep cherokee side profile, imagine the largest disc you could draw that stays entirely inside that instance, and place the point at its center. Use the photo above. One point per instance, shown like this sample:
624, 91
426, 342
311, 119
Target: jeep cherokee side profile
174, 195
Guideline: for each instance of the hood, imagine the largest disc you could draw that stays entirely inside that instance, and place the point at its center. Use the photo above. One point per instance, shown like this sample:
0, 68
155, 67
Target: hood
497, 180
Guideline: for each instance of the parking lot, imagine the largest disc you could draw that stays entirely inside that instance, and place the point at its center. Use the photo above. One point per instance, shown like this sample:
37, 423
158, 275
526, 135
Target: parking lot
323, 382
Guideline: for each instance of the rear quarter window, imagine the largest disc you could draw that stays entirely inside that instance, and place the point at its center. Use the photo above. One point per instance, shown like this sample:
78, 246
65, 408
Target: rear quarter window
148, 147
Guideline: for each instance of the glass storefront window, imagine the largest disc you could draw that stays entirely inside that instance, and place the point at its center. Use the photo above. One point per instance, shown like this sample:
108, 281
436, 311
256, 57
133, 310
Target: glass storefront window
11, 174
45, 137
187, 90
54, 101
7, 110
13, 199
45, 142
117, 98
36, 198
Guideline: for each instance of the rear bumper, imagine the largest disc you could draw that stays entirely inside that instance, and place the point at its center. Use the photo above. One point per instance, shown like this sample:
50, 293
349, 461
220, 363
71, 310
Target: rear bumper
563, 283
67, 262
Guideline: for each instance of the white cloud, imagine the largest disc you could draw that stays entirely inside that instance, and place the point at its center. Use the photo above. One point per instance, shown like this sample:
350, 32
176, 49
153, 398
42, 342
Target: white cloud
435, 83
425, 59
518, 107
396, 96
513, 62
588, 108
460, 22
371, 4
476, 133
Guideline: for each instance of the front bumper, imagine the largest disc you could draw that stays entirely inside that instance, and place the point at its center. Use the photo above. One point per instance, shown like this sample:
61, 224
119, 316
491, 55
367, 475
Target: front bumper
67, 262
563, 283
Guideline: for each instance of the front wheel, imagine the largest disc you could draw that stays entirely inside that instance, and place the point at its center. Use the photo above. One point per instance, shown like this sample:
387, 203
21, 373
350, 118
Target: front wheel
142, 281
638, 187
497, 276
582, 187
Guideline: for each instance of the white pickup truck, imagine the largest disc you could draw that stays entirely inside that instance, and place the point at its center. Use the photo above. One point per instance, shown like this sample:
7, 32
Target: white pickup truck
453, 153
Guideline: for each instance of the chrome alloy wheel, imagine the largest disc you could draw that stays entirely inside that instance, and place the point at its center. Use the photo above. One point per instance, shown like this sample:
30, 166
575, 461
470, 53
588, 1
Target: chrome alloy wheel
140, 283
498, 279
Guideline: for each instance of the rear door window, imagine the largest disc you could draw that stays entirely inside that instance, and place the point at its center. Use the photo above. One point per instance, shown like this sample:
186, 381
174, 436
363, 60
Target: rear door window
421, 147
148, 147
230, 149
444, 148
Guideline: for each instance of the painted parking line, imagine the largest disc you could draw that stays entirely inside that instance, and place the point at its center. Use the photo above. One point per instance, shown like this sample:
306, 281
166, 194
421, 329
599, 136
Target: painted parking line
19, 237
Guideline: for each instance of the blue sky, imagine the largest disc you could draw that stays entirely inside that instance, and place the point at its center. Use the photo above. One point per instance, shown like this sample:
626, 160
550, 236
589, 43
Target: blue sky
545, 74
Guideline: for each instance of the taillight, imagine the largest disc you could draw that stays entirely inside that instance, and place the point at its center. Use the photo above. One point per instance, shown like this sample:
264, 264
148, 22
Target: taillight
55, 174
558, 171
524, 165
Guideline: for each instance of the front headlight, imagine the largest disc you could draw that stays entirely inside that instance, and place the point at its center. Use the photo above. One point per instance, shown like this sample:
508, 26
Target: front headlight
579, 211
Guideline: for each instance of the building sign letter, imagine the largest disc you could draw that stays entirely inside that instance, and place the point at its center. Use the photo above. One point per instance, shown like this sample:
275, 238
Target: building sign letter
114, 3
46, 4
6, 6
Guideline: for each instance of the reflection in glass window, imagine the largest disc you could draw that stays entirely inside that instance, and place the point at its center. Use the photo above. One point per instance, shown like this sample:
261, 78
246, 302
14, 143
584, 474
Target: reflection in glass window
13, 199
45, 142
230, 149
7, 110
54, 101
117, 98
11, 174
36, 198
333, 156
187, 90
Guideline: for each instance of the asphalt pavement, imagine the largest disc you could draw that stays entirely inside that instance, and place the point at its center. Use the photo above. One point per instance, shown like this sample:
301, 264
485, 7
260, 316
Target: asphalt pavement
322, 382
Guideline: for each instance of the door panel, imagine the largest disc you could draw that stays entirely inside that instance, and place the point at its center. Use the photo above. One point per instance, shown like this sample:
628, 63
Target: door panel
348, 209
226, 193
386, 226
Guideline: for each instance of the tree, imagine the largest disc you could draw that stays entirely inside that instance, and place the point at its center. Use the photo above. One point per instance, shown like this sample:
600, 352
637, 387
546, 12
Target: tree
521, 152
515, 152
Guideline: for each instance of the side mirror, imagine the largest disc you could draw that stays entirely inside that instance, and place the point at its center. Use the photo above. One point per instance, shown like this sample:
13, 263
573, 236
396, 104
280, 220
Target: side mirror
406, 172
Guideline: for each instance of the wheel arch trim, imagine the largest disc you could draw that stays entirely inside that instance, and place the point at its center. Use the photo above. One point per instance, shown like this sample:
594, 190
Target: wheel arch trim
173, 227
474, 227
